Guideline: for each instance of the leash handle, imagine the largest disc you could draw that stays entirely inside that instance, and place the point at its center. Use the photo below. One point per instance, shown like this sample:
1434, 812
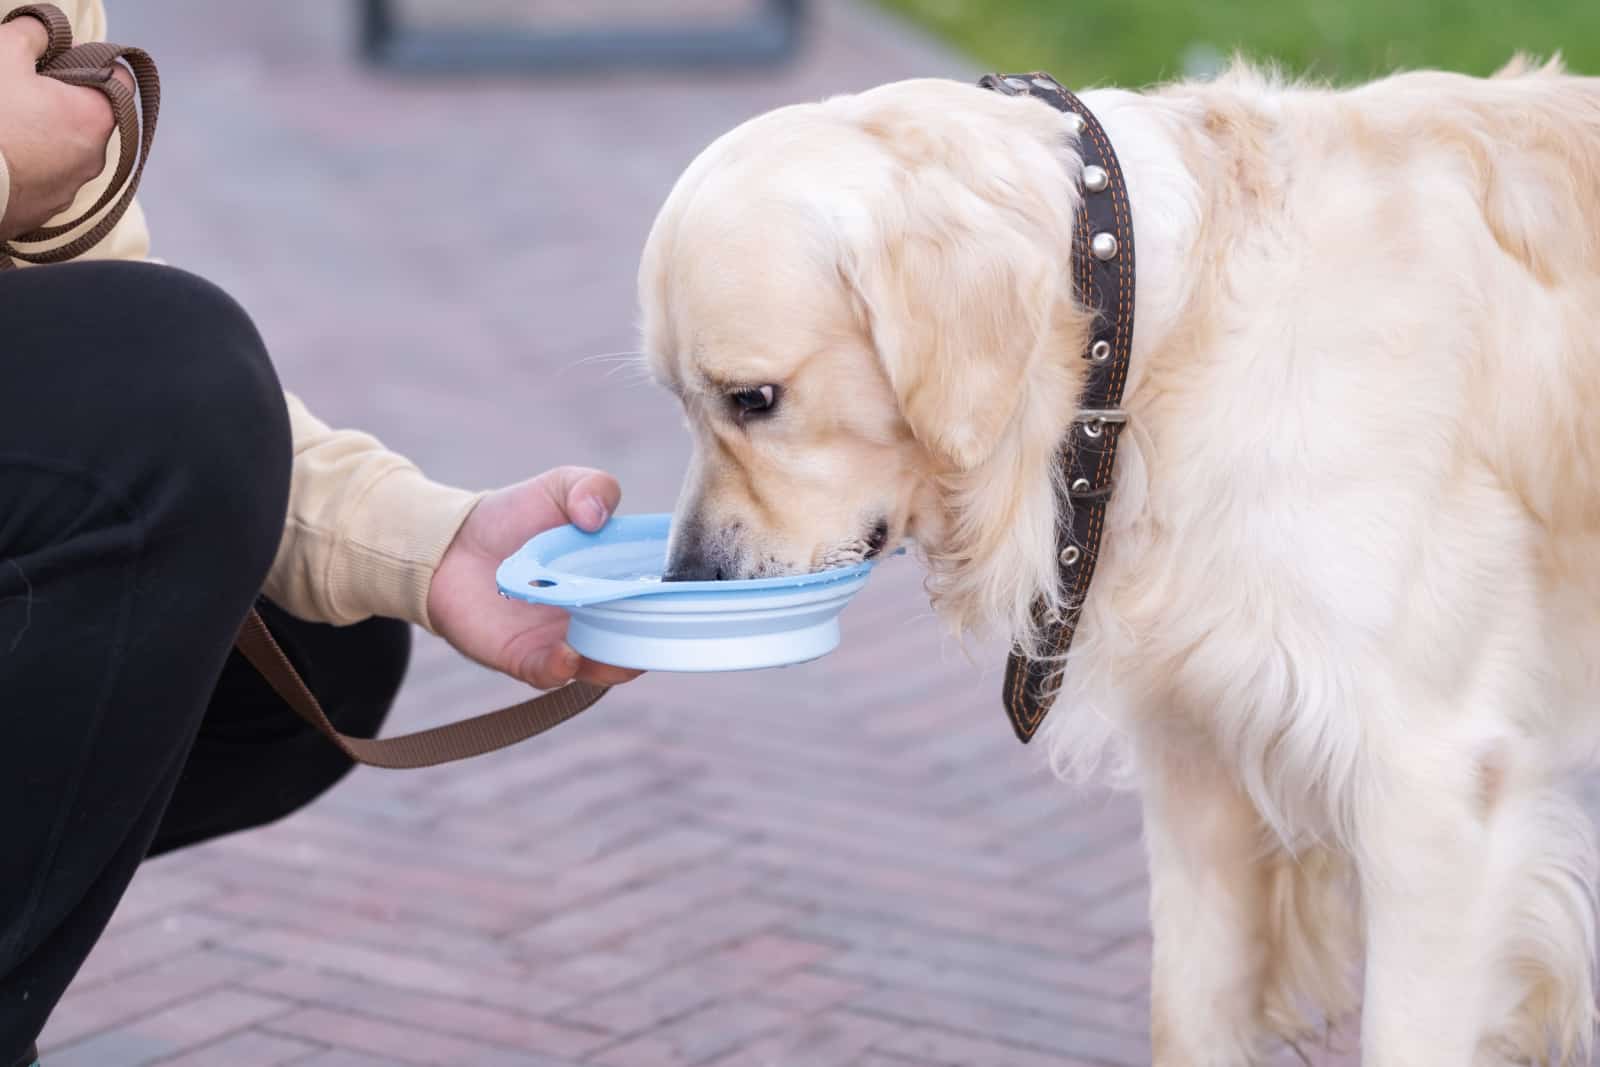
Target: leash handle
426, 748
93, 66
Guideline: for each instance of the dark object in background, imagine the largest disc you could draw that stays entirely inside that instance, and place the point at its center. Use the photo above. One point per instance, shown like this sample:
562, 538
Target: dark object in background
767, 35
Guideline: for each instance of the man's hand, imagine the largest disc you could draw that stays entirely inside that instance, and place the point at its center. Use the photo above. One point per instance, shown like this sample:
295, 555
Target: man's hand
526, 641
53, 135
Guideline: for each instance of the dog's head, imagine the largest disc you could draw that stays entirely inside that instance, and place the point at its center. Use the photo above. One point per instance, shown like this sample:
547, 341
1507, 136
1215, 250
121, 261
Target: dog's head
866, 310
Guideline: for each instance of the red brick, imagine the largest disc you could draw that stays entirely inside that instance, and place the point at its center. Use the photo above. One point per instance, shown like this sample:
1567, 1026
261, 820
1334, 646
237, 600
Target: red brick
742, 968
198, 1021
933, 1013
133, 948
87, 1011
345, 1058
445, 1015
943, 1049
808, 991
608, 919
698, 1037
336, 920
600, 971
394, 1042
394, 969
249, 1049
835, 1037
158, 890
121, 1047
672, 849
363, 895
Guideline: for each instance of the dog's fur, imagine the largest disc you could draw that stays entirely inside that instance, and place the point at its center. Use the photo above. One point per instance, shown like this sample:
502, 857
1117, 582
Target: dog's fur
1344, 635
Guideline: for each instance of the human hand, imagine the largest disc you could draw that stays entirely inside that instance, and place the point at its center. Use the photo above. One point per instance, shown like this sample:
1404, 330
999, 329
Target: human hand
53, 135
526, 641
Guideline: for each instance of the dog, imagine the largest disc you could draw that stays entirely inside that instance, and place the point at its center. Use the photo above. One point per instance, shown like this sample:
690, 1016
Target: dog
1343, 638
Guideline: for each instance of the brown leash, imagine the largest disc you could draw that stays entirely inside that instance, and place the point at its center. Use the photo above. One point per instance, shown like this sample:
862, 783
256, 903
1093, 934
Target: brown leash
425, 748
93, 66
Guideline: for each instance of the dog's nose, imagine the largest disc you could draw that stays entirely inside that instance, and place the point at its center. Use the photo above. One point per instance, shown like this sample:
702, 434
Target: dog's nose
700, 571
692, 562
693, 570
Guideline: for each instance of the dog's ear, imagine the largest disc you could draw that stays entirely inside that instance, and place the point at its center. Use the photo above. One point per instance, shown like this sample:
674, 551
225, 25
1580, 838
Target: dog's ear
961, 297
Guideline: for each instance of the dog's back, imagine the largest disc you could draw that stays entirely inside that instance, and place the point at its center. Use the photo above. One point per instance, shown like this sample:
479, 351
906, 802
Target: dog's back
1403, 304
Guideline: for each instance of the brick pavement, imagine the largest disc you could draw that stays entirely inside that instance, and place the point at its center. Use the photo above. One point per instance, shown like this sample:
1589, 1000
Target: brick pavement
848, 863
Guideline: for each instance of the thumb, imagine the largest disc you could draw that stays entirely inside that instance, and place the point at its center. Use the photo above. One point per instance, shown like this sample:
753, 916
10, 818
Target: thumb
29, 37
585, 496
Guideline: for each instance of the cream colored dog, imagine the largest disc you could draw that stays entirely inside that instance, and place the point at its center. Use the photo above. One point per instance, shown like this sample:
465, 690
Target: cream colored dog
1344, 636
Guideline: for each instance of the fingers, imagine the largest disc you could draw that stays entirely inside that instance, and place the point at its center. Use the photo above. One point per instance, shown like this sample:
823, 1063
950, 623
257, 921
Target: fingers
605, 674
585, 496
26, 38
556, 665
552, 666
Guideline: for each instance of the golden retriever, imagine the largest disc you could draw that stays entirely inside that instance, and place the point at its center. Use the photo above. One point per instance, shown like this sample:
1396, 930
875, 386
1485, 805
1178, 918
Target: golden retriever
1344, 634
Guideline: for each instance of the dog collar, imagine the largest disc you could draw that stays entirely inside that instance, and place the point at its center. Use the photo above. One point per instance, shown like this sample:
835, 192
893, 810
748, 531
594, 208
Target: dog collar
1102, 274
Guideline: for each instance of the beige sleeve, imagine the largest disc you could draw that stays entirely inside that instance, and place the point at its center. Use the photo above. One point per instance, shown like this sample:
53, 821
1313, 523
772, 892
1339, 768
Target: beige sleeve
365, 530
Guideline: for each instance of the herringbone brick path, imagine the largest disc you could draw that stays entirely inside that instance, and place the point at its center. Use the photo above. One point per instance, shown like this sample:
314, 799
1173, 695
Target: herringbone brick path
847, 863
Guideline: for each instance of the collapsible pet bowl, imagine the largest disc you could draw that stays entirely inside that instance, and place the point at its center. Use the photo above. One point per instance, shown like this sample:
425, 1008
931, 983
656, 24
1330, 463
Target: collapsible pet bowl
622, 613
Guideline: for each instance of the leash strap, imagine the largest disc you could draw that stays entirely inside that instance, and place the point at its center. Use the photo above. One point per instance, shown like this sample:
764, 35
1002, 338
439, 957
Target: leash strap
1102, 271
93, 66
425, 748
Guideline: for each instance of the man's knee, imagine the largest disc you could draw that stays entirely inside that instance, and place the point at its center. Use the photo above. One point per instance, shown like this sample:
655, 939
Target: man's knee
153, 385
214, 424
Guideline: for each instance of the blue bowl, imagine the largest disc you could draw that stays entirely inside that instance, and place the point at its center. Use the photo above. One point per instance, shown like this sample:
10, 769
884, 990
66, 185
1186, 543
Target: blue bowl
622, 613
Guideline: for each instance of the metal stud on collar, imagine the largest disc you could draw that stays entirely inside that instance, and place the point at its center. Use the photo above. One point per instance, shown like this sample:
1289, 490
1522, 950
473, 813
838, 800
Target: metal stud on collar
1081, 485
1104, 246
1095, 179
1100, 351
1075, 121
1070, 555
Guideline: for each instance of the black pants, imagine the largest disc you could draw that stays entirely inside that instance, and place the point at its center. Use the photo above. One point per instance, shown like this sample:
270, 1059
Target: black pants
144, 473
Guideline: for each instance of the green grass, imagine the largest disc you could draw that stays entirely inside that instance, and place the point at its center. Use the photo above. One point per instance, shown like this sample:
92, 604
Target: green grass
1137, 42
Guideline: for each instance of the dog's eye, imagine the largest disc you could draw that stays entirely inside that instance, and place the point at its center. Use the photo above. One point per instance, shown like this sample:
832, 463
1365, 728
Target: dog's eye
754, 401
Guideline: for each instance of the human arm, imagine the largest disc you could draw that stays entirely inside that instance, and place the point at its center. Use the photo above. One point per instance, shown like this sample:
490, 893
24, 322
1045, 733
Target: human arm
367, 534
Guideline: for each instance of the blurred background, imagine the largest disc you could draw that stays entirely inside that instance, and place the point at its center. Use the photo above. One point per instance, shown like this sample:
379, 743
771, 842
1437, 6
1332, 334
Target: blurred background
1136, 42
434, 210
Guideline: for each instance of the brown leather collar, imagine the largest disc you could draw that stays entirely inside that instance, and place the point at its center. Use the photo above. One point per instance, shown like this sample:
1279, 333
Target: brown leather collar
1102, 271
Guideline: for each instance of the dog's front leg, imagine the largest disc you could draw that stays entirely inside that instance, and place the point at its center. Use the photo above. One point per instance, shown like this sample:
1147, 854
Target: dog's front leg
1208, 912
1423, 859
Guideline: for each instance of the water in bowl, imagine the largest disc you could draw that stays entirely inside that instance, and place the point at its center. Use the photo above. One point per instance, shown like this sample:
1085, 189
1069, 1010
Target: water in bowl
626, 561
